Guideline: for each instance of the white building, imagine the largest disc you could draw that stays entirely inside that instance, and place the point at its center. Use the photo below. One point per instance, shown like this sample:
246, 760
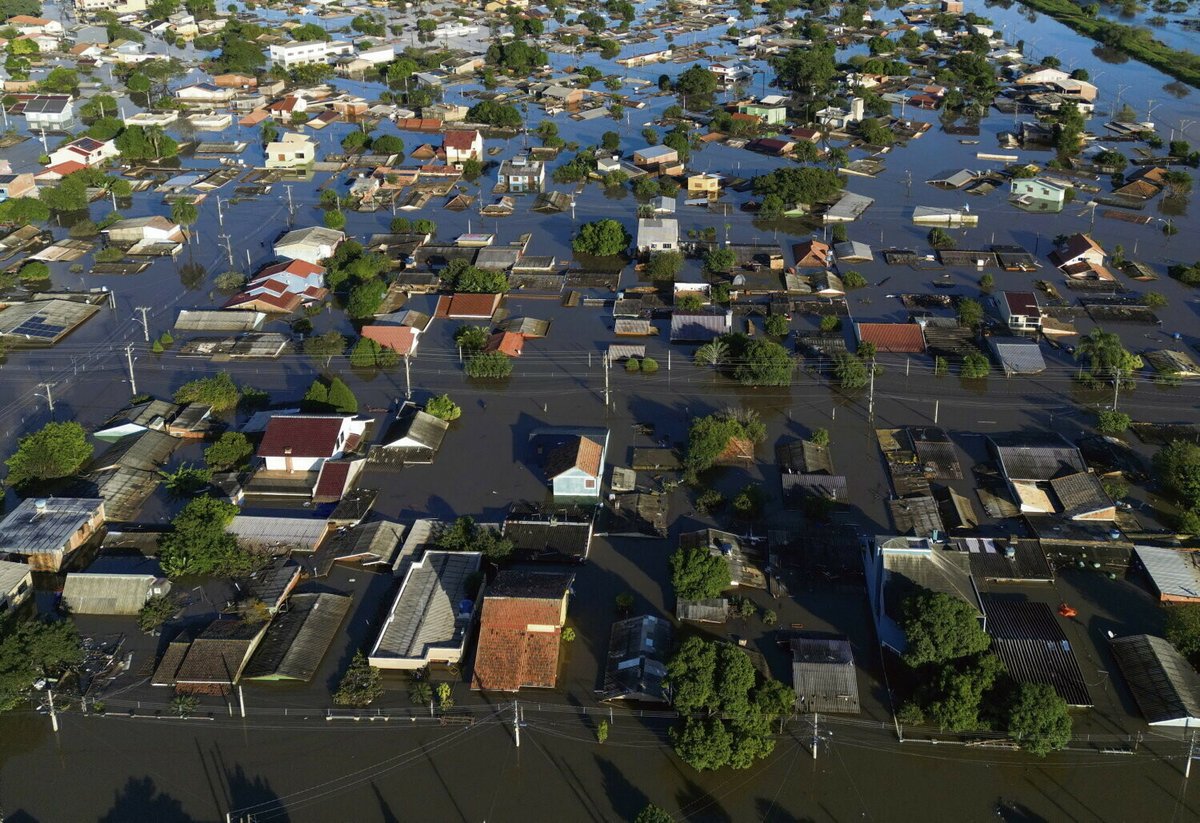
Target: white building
290, 151
303, 442
302, 53
312, 244
49, 111
657, 234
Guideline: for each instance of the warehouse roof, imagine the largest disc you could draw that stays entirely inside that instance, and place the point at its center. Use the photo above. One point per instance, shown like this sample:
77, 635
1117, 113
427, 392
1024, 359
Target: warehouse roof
1164, 684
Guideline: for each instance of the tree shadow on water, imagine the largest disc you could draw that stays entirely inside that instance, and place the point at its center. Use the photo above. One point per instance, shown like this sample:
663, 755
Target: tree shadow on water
695, 804
141, 800
627, 799
770, 811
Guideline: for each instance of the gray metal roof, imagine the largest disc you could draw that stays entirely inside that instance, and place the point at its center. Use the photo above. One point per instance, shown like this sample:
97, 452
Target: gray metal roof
1018, 356
696, 327
278, 532
797, 486
1030, 456
824, 676
427, 613
204, 320
916, 515
804, 457
712, 610
124, 491
637, 653
11, 575
1174, 573
298, 638
92, 593
1081, 493
418, 428
40, 525
1164, 684
43, 321
148, 451
990, 559
939, 570
1027, 636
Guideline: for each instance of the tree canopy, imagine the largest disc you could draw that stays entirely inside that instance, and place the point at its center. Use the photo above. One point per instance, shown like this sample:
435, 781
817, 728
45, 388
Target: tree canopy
492, 113
230, 451
1038, 719
601, 238
698, 574
762, 363
940, 627
710, 436
218, 391
465, 535
198, 543
798, 185
56, 450
729, 709
1106, 356
461, 276
31, 649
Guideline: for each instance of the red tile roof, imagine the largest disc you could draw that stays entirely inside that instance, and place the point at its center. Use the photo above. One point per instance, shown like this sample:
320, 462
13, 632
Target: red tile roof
460, 139
471, 305
301, 268
304, 435
508, 342
332, 481
581, 453
401, 339
898, 338
1022, 303
285, 302
811, 254
510, 655
67, 167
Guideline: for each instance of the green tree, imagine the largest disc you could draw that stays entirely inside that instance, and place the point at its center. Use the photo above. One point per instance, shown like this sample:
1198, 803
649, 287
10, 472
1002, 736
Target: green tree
184, 213
316, 398
1112, 422
56, 450
443, 408
958, 691
361, 685
492, 113
987, 282
24, 210
941, 239
710, 436
777, 325
341, 399
975, 366
764, 363
30, 649
1107, 358
713, 354
33, 272
368, 354
696, 81
940, 627
664, 265
798, 185
186, 480
601, 238
1038, 719
198, 543
218, 391
155, 612
325, 346
365, 298
853, 280
471, 338
232, 450
1183, 628
850, 371
720, 261
334, 219
697, 574
1177, 469
970, 313
491, 364
465, 535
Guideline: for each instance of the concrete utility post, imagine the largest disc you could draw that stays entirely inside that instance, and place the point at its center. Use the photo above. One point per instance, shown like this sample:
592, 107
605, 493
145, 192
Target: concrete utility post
49, 396
145, 323
129, 360
407, 380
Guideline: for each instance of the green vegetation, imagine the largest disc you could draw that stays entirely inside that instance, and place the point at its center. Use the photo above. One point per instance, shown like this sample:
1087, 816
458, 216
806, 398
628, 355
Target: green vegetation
729, 709
491, 113
653, 814
186, 481
199, 545
1107, 358
697, 573
970, 313
1188, 275
368, 354
471, 338
461, 276
34, 272
55, 451
941, 239
149, 143
218, 391
798, 185
1038, 719
853, 280
601, 238
32, 649
492, 365
1183, 628
719, 261
1134, 41
24, 210
465, 535
516, 57
329, 395
711, 436
975, 366
759, 362
157, 610
1110, 421
325, 346
443, 408
939, 628
1177, 469
231, 451
361, 685
850, 371
777, 325
664, 265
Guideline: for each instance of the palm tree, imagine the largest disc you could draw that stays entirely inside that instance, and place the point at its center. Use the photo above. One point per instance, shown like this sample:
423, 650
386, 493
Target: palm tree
419, 693
713, 354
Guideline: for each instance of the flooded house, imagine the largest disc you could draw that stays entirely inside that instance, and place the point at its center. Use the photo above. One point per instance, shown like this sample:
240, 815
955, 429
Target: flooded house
311, 244
520, 631
291, 151
46, 531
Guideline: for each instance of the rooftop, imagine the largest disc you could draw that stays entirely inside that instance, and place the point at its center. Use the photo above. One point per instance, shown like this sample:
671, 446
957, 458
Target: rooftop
45, 524
302, 435
824, 675
432, 610
298, 638
1164, 685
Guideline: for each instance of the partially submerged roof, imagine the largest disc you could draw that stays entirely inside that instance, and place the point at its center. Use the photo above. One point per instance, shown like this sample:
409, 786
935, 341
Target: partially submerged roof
298, 638
1036, 456
217, 655
519, 632
93, 593
1164, 685
432, 610
824, 676
1018, 356
637, 652
301, 435
895, 338
549, 536
45, 524
1027, 636
1174, 573
582, 453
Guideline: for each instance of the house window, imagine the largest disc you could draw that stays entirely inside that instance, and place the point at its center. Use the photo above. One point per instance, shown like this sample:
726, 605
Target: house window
589, 483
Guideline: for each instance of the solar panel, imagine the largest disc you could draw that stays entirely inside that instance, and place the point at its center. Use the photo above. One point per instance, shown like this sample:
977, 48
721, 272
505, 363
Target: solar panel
36, 326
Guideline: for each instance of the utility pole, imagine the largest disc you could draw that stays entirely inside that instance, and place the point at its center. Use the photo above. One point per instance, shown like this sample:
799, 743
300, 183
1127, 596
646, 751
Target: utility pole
54, 715
129, 360
1187, 771
241, 701
49, 396
220, 214
289, 196
606, 381
228, 248
871, 396
816, 738
407, 380
1116, 389
145, 324
517, 724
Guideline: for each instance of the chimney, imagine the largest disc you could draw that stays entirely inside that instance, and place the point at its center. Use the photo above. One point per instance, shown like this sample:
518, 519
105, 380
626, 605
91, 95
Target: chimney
287, 459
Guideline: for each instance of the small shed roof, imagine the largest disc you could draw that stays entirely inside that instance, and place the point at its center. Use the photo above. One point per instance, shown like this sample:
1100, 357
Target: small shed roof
1164, 685
92, 593
824, 675
1174, 573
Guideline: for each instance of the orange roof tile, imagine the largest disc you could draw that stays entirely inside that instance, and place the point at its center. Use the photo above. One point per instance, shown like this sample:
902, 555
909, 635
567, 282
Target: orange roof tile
901, 338
401, 339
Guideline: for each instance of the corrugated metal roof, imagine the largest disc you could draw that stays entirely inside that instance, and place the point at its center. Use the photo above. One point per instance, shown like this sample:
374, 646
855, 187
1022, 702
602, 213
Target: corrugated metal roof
1018, 356
45, 524
824, 675
297, 639
426, 614
1174, 573
1164, 685
89, 593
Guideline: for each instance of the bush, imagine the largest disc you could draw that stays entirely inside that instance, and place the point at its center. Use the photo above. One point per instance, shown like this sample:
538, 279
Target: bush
853, 280
709, 501
361, 685
157, 610
941, 239
777, 325
492, 365
633, 365
230, 282
471, 338
108, 254
335, 220
830, 323
218, 391
749, 502
34, 272
649, 365
56, 450
232, 450
443, 408
601, 238
1109, 421
820, 437
975, 366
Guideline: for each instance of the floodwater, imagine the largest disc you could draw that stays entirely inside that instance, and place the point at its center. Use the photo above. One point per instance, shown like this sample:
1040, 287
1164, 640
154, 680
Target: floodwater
119, 768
